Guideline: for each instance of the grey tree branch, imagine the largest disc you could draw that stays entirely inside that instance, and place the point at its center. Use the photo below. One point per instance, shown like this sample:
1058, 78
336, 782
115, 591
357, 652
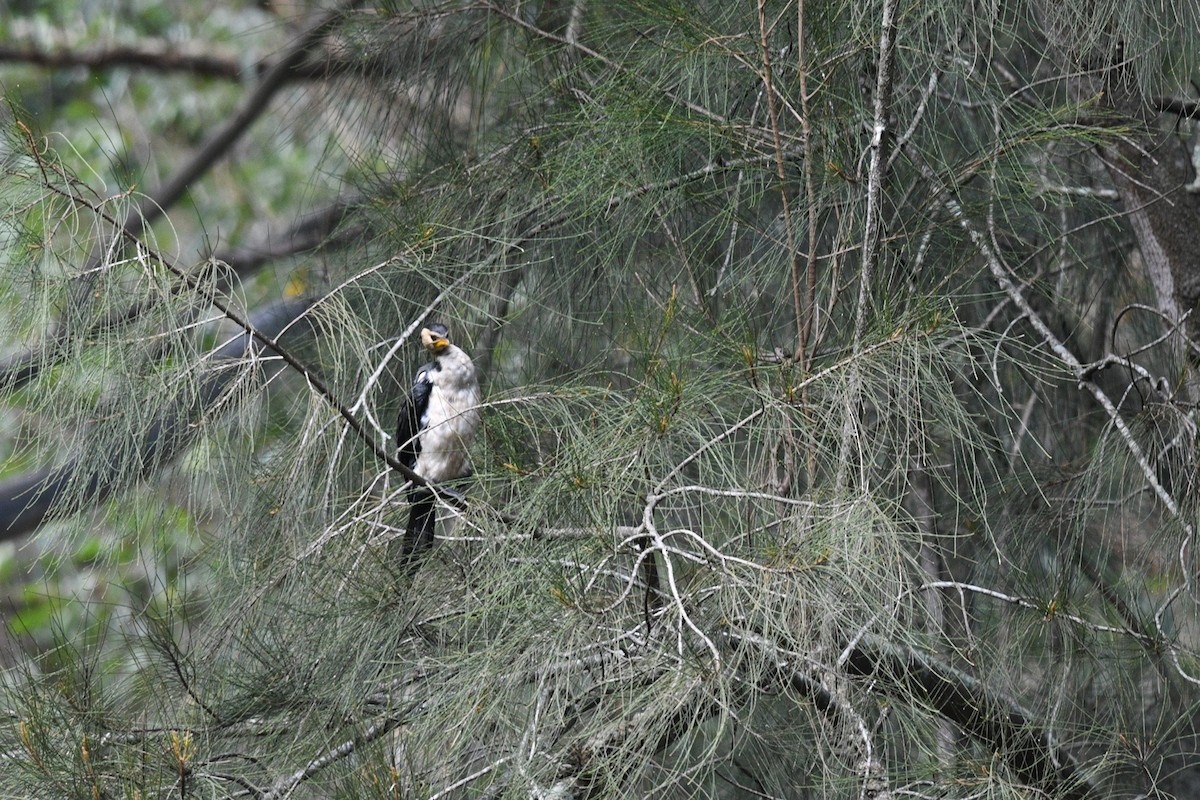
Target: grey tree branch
877, 172
306, 234
309, 232
385, 725
876, 176
28, 499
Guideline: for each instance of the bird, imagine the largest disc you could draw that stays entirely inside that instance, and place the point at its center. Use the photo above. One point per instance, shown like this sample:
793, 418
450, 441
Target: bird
435, 429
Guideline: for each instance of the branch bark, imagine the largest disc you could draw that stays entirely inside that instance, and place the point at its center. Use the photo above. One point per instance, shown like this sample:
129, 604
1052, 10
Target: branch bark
158, 55
28, 500
200, 59
997, 721
876, 176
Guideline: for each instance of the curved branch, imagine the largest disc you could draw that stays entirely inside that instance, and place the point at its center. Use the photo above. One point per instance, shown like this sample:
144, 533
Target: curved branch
1029, 749
28, 500
252, 108
1184, 109
306, 234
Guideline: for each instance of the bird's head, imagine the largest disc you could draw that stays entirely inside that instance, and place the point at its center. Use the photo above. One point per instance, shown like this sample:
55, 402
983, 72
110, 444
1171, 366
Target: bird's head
434, 338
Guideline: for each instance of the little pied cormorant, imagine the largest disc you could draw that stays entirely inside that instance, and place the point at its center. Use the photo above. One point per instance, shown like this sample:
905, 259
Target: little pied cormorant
435, 428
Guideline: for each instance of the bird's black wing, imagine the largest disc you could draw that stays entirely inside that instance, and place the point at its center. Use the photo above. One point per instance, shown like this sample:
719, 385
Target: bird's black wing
412, 418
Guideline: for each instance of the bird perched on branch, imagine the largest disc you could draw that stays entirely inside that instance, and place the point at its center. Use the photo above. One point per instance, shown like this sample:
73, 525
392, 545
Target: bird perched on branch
435, 428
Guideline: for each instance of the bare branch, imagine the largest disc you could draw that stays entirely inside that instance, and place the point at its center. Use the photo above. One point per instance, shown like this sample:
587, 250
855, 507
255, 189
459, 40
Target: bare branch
876, 177
194, 58
253, 107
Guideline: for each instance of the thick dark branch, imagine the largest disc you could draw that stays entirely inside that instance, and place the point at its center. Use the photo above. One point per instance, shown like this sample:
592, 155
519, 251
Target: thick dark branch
1029, 749
1185, 109
199, 59
27, 500
158, 55
307, 233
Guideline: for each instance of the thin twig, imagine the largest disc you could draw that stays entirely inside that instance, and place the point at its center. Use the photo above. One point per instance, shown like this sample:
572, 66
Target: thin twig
876, 176
781, 175
221, 303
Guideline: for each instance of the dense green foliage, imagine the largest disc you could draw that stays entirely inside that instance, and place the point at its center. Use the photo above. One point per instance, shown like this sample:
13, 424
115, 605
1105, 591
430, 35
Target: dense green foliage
839, 399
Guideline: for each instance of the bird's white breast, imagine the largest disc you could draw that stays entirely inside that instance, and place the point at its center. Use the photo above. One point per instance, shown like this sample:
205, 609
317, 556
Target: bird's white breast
451, 419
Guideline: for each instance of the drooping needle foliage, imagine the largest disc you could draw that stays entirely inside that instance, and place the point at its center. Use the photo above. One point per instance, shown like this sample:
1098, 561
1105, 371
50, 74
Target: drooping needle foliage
838, 365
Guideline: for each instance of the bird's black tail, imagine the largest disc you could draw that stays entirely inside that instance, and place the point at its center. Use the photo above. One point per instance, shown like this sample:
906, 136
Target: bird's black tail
421, 521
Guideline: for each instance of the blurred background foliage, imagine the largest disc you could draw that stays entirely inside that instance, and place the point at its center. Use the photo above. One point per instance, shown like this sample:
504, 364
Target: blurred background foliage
123, 130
